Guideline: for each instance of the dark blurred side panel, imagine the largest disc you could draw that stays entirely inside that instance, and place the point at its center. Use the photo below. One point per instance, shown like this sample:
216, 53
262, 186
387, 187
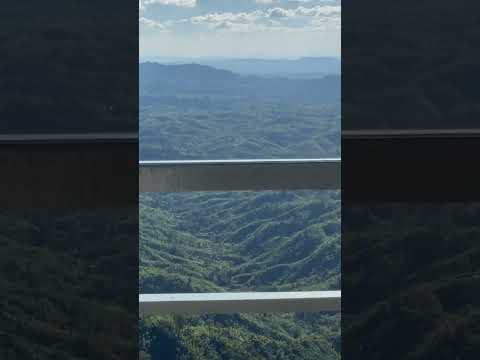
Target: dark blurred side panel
69, 283
410, 168
411, 280
410, 198
410, 64
69, 174
67, 66
69, 180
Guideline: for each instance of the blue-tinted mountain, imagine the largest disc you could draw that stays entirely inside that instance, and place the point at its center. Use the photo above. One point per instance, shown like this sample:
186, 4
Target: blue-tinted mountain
302, 67
266, 67
195, 79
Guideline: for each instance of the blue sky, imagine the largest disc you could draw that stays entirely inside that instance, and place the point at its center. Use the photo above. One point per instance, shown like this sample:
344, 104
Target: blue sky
240, 28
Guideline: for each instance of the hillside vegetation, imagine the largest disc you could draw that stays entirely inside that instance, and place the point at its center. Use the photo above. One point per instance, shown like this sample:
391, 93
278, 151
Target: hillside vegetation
267, 241
198, 112
238, 241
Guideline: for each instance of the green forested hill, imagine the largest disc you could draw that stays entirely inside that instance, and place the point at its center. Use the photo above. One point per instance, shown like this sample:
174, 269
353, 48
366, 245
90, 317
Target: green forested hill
240, 241
268, 241
212, 242
198, 112
241, 336
220, 127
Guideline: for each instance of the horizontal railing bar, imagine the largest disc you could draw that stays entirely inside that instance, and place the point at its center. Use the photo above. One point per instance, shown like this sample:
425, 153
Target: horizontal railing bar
245, 302
240, 175
235, 161
409, 133
62, 138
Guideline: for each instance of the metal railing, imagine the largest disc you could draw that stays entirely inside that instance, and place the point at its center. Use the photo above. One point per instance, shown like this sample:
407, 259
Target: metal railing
240, 302
240, 175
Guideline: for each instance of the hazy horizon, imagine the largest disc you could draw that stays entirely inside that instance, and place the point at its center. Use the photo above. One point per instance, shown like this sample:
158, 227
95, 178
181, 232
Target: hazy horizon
292, 58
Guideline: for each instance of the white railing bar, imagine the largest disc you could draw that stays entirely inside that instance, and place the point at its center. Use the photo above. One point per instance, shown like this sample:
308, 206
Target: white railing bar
240, 175
240, 302
235, 161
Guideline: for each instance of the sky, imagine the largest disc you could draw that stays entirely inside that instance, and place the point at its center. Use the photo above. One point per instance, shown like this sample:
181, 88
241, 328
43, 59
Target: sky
239, 28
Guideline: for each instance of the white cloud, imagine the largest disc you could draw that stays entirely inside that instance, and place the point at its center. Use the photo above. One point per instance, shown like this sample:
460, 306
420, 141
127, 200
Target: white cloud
318, 11
326, 24
234, 22
279, 13
237, 18
277, 18
298, 2
179, 3
301, 11
294, 2
152, 24
228, 26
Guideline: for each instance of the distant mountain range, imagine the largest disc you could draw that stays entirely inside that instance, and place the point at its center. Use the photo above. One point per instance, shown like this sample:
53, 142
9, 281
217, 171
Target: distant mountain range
302, 67
196, 79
